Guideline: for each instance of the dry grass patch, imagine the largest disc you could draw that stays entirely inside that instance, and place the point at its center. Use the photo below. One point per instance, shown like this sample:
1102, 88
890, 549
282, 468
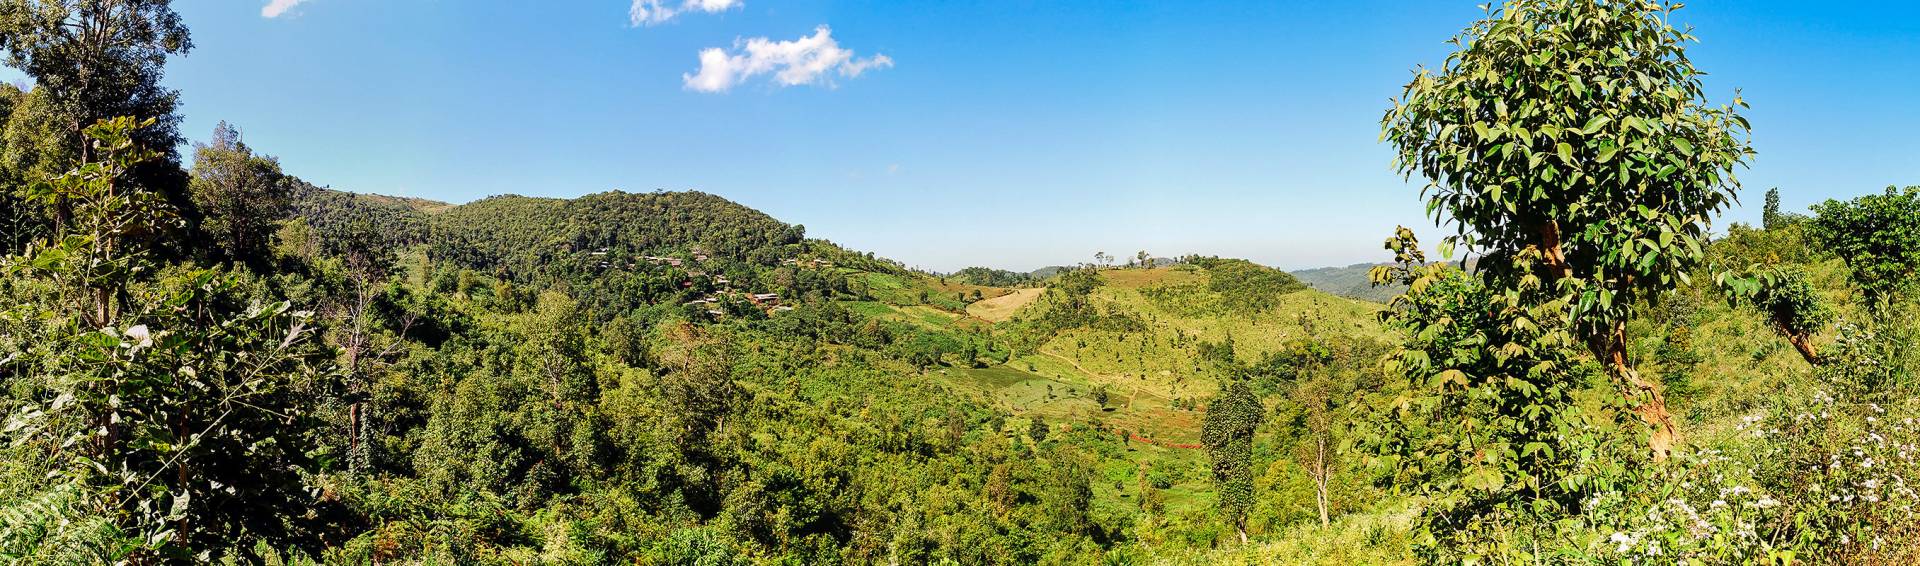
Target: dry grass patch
1001, 308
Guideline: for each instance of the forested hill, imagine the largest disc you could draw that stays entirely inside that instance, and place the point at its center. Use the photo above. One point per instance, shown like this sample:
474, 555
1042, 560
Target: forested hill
341, 218
1349, 281
618, 251
522, 232
518, 232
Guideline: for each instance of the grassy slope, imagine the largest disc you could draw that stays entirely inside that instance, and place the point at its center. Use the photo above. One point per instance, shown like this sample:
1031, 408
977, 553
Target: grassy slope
1001, 308
1145, 373
1159, 363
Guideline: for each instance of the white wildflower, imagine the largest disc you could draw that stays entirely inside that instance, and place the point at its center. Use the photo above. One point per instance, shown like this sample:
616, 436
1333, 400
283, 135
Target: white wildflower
140, 335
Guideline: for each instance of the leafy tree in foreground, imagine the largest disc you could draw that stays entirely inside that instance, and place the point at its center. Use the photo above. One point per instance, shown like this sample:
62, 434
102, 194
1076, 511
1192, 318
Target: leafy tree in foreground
92, 60
1231, 420
1879, 238
177, 410
1487, 428
1569, 142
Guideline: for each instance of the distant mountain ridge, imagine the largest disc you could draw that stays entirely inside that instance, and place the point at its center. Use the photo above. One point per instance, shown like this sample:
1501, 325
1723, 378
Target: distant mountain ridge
1348, 281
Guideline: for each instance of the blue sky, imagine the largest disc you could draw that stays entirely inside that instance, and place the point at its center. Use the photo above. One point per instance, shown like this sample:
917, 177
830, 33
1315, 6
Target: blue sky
1014, 134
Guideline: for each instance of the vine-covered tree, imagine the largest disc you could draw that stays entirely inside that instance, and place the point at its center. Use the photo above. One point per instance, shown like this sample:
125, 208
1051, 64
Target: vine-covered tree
1569, 142
1232, 418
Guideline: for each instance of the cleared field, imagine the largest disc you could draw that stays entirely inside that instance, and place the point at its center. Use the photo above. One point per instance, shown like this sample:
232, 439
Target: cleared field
1136, 278
1059, 393
1001, 308
920, 315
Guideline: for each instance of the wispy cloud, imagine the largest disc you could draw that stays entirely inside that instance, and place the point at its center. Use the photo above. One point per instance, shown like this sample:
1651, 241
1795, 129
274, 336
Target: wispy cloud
650, 12
275, 8
808, 60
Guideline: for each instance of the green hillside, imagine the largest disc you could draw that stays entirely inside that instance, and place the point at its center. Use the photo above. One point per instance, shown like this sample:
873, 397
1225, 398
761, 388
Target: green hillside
1073, 408
210, 361
1350, 282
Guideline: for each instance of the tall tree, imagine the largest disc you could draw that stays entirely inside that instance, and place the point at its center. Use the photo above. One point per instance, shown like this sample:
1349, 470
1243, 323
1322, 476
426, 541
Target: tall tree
699, 384
20, 220
1315, 451
1231, 420
1770, 210
240, 194
91, 60
1570, 142
97, 59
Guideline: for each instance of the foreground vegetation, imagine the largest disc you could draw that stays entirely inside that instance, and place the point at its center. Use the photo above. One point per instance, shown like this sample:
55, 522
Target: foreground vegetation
228, 364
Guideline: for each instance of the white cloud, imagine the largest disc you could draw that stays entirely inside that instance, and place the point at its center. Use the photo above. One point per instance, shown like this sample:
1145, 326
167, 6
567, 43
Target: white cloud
650, 12
275, 8
807, 60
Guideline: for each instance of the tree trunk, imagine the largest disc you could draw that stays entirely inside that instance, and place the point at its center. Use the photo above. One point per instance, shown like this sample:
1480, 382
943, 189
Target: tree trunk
1320, 481
1652, 408
1550, 250
1612, 350
1804, 343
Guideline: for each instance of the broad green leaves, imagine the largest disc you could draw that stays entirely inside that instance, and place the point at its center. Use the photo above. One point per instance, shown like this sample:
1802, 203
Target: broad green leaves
1488, 410
1583, 114
1589, 179
1879, 238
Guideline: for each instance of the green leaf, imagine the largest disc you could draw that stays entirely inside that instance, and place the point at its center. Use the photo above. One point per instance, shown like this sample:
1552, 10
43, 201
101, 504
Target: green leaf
1484, 479
1686, 147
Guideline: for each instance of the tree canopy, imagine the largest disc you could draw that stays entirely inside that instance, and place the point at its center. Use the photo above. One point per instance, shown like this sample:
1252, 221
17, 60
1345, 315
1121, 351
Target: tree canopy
1879, 238
1570, 142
